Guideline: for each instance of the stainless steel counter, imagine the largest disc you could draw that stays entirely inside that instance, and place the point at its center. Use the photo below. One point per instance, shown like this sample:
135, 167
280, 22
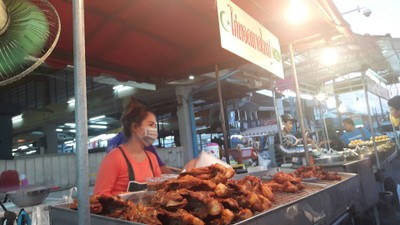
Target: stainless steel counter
321, 203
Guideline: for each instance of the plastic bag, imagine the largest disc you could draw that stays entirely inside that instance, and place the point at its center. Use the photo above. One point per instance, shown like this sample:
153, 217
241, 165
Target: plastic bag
71, 195
40, 216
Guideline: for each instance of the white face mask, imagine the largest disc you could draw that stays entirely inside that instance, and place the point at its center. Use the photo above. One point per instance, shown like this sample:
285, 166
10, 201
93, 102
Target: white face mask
150, 135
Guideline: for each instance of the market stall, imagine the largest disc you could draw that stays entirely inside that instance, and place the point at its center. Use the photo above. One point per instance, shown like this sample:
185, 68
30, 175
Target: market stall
197, 55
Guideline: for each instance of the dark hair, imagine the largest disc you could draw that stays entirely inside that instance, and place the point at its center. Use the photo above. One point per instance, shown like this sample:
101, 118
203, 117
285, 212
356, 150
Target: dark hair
394, 102
348, 121
134, 112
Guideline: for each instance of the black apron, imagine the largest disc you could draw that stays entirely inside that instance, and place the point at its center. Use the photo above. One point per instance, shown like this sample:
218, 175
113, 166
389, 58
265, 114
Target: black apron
134, 185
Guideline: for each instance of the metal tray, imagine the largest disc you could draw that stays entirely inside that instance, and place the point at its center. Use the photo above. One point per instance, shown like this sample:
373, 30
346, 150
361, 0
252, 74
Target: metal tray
317, 203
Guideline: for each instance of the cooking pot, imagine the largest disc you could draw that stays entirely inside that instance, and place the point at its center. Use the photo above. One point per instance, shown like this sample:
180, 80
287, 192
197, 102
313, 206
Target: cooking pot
29, 195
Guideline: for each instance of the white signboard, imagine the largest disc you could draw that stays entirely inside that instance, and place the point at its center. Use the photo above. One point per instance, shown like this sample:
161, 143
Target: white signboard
247, 38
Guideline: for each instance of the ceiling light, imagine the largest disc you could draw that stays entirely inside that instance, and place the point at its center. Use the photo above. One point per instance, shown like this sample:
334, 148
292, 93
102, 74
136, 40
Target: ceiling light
265, 92
98, 126
23, 147
297, 12
191, 77
59, 130
289, 93
122, 88
306, 96
17, 118
97, 117
329, 56
71, 101
118, 87
72, 131
70, 124
109, 80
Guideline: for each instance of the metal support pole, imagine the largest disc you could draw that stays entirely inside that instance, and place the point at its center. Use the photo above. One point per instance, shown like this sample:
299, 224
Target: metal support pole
337, 102
222, 112
278, 121
81, 112
380, 104
321, 114
193, 126
299, 106
370, 121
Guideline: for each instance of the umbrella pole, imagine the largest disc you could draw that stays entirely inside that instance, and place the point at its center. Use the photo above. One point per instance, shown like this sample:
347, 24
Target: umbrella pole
298, 103
222, 112
81, 111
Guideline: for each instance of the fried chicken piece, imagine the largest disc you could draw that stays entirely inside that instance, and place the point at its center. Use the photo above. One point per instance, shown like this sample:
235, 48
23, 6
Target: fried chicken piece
226, 218
229, 203
221, 190
95, 206
274, 186
171, 200
189, 182
147, 215
255, 184
74, 205
112, 206
180, 217
316, 171
212, 205
267, 191
325, 175
243, 214
282, 177
289, 187
300, 186
248, 199
216, 173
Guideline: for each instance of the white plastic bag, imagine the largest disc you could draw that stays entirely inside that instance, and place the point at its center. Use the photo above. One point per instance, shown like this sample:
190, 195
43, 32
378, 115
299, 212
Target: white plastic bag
40, 216
72, 193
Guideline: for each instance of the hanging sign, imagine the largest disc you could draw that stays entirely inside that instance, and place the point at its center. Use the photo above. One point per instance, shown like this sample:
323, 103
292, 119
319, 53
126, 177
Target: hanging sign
247, 38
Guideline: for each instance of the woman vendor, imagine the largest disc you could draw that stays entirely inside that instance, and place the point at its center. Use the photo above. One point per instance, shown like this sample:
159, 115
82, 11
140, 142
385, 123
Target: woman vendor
127, 166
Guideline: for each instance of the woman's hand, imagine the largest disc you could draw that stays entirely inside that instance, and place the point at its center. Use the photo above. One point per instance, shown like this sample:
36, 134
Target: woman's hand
190, 165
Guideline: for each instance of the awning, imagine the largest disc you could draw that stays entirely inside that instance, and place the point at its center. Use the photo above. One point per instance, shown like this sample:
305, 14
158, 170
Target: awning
158, 41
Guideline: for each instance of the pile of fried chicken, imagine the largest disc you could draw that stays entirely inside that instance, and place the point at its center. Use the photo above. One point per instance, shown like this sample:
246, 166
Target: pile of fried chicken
198, 196
286, 182
317, 172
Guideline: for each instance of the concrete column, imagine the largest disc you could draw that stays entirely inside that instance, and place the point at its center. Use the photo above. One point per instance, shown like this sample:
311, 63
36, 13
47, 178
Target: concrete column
51, 138
183, 114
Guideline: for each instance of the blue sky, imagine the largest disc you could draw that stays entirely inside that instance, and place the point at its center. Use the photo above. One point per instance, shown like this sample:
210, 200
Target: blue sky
383, 19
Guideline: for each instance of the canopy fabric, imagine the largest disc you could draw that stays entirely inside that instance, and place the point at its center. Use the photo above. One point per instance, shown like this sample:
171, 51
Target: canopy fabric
158, 41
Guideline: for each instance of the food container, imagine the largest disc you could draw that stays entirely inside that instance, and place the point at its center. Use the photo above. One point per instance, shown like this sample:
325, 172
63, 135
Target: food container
169, 176
213, 149
28, 196
155, 183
